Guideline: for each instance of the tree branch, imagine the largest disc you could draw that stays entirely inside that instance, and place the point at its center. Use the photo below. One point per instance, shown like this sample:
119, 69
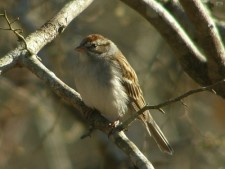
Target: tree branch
177, 11
140, 161
208, 37
192, 61
37, 40
15, 31
190, 58
73, 98
25, 56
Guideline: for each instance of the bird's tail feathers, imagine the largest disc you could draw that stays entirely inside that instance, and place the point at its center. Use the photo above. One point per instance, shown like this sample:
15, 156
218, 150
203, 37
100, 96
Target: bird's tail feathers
158, 136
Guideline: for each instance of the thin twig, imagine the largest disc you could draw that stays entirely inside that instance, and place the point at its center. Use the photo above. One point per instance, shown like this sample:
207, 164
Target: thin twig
201, 89
127, 122
17, 32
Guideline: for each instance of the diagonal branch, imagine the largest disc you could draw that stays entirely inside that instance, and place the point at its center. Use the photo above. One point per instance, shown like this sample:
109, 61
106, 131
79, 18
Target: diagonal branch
25, 57
177, 11
37, 40
208, 37
73, 98
190, 58
192, 61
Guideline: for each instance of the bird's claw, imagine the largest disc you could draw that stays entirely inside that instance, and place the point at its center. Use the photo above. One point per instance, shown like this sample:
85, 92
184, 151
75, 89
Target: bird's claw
114, 127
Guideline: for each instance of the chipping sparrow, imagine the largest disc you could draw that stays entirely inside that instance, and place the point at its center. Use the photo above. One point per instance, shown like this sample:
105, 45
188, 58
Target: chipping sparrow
108, 83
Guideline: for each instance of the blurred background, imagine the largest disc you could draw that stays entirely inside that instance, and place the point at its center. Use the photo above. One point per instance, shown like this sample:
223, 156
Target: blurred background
39, 131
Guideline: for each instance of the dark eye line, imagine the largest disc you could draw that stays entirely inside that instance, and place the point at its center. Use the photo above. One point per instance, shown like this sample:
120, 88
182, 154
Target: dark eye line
96, 45
105, 44
93, 45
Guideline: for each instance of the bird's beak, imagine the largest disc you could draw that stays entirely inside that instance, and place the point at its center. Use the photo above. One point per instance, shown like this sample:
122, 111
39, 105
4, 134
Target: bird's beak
79, 49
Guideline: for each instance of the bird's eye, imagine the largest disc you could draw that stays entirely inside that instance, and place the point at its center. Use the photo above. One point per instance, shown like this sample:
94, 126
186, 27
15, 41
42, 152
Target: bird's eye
93, 45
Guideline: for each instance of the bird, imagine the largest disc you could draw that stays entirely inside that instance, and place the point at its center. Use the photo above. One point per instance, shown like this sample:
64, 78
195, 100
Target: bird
107, 82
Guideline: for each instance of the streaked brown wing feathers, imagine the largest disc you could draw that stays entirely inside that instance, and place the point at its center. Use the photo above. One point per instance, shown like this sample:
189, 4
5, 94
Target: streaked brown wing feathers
133, 89
131, 83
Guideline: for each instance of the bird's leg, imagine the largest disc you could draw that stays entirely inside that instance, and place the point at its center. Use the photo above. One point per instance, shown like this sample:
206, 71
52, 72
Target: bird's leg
115, 127
114, 124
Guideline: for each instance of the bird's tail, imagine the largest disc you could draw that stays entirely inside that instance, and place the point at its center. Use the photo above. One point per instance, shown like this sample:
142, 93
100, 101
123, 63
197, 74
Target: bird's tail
156, 133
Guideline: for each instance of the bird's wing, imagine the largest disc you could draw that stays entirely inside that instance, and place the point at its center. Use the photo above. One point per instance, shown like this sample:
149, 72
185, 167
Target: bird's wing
131, 84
